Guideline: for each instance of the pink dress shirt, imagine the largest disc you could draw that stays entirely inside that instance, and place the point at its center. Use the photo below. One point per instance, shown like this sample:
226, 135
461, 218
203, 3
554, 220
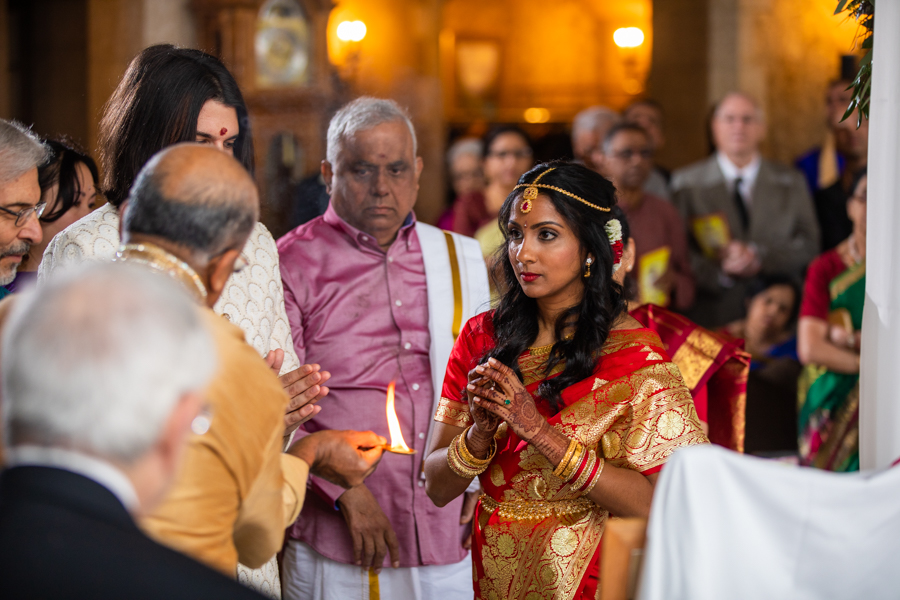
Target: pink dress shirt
362, 314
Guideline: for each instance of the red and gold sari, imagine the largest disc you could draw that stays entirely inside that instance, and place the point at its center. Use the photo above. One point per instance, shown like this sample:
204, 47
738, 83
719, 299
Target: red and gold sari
715, 369
534, 537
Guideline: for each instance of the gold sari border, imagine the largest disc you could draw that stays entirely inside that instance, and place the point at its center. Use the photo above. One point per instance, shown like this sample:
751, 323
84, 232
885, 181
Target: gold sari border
845, 280
696, 355
453, 413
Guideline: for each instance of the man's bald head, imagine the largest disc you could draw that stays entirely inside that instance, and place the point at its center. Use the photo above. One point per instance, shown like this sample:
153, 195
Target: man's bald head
196, 197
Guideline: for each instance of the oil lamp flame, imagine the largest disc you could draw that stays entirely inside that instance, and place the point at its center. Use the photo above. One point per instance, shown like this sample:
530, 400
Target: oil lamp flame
397, 443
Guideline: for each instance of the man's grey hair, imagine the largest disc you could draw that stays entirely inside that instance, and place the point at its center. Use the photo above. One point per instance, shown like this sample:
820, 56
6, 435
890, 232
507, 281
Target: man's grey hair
359, 115
594, 118
20, 150
216, 217
760, 113
463, 146
98, 359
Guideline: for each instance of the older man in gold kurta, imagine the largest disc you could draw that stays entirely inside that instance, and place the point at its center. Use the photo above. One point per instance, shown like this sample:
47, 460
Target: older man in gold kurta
190, 213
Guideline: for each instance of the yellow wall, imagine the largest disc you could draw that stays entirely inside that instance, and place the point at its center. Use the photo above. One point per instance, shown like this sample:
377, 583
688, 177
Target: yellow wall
556, 55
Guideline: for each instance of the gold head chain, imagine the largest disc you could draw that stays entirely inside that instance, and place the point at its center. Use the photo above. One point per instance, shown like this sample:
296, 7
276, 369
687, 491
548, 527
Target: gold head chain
531, 192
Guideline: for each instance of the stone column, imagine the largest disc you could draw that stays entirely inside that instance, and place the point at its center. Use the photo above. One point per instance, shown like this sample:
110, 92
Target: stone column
879, 423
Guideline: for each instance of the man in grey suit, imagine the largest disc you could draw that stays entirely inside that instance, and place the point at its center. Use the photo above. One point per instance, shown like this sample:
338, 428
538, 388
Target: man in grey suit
746, 216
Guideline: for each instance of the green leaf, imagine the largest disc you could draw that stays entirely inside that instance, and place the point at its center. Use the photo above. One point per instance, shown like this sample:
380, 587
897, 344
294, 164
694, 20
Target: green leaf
840, 7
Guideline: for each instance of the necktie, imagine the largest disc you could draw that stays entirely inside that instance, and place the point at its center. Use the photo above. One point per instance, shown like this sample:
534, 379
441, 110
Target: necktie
740, 206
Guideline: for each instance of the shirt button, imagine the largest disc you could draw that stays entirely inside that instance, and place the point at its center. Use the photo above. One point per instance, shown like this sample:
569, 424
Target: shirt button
364, 238
407, 345
421, 436
398, 303
415, 387
390, 259
421, 483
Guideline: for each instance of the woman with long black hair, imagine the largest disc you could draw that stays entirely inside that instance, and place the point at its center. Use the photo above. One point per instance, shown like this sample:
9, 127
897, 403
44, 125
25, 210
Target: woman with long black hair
563, 405
170, 95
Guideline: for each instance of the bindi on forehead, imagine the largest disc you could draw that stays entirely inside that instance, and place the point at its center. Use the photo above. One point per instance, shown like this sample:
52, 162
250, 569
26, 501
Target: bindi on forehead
223, 131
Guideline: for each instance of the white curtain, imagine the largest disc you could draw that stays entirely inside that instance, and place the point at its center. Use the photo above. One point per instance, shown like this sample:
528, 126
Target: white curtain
726, 525
879, 385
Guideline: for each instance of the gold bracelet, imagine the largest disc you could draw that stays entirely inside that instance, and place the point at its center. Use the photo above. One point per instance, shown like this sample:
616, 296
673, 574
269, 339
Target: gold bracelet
577, 458
590, 463
590, 485
573, 445
468, 457
457, 465
462, 462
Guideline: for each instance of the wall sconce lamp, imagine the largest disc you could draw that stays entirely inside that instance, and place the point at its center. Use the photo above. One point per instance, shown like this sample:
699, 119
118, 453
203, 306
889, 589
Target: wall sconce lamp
628, 37
351, 31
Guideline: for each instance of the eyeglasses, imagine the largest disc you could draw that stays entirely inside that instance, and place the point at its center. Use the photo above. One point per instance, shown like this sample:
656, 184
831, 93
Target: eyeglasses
504, 154
22, 215
626, 154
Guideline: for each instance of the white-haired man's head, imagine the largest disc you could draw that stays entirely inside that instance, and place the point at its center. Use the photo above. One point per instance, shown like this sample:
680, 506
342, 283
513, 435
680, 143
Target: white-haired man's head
589, 128
21, 153
372, 171
465, 159
364, 113
110, 361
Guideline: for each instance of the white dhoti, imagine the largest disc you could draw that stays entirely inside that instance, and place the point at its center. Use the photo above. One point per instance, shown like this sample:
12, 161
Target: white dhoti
314, 577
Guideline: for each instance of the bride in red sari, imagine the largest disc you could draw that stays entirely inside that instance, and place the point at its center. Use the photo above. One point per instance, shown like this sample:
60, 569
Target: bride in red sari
564, 406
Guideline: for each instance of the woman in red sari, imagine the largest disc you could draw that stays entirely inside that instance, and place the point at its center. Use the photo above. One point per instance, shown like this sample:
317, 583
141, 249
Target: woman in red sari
563, 405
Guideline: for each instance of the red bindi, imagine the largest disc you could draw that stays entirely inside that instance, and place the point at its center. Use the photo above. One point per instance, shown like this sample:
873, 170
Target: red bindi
223, 131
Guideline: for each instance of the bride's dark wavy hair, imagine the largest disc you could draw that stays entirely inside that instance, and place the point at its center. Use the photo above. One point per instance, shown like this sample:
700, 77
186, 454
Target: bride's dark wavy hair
516, 317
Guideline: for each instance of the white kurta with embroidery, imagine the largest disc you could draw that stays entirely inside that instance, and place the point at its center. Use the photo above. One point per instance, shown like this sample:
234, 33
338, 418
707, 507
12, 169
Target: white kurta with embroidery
253, 299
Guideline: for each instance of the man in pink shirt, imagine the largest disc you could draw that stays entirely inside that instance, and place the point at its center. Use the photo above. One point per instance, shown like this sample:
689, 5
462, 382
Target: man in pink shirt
374, 297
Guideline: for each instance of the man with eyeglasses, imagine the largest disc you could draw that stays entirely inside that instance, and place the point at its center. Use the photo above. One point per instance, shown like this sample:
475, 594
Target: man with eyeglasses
748, 217
662, 267
21, 152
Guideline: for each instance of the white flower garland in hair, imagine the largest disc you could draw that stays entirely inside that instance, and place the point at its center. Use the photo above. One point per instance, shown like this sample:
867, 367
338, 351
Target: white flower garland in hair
614, 233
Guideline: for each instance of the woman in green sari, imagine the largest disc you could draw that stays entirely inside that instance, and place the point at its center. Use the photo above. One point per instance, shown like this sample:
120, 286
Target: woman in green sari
828, 345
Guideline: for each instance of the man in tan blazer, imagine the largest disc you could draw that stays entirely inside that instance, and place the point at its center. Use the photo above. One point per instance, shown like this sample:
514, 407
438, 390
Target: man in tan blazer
189, 214
746, 216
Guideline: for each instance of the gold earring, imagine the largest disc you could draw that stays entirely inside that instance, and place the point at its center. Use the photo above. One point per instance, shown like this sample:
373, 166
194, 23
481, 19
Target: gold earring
587, 270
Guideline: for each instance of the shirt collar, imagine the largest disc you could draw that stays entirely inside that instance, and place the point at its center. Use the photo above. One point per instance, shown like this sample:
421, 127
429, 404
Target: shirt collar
95, 469
731, 171
361, 238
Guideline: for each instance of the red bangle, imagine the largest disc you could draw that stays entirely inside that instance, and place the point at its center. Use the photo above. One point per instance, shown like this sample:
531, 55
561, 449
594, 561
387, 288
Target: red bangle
590, 480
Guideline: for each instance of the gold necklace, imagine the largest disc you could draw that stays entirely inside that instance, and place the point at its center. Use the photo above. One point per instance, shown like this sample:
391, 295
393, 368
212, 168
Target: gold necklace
159, 260
539, 350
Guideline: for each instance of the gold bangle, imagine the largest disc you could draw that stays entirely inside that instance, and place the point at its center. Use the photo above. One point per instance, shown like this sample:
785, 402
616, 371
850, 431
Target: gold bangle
593, 481
573, 445
462, 462
577, 458
457, 465
590, 462
468, 457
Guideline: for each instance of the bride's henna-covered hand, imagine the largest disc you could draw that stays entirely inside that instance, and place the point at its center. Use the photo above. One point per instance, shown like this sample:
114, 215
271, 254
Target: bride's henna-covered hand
485, 424
515, 405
